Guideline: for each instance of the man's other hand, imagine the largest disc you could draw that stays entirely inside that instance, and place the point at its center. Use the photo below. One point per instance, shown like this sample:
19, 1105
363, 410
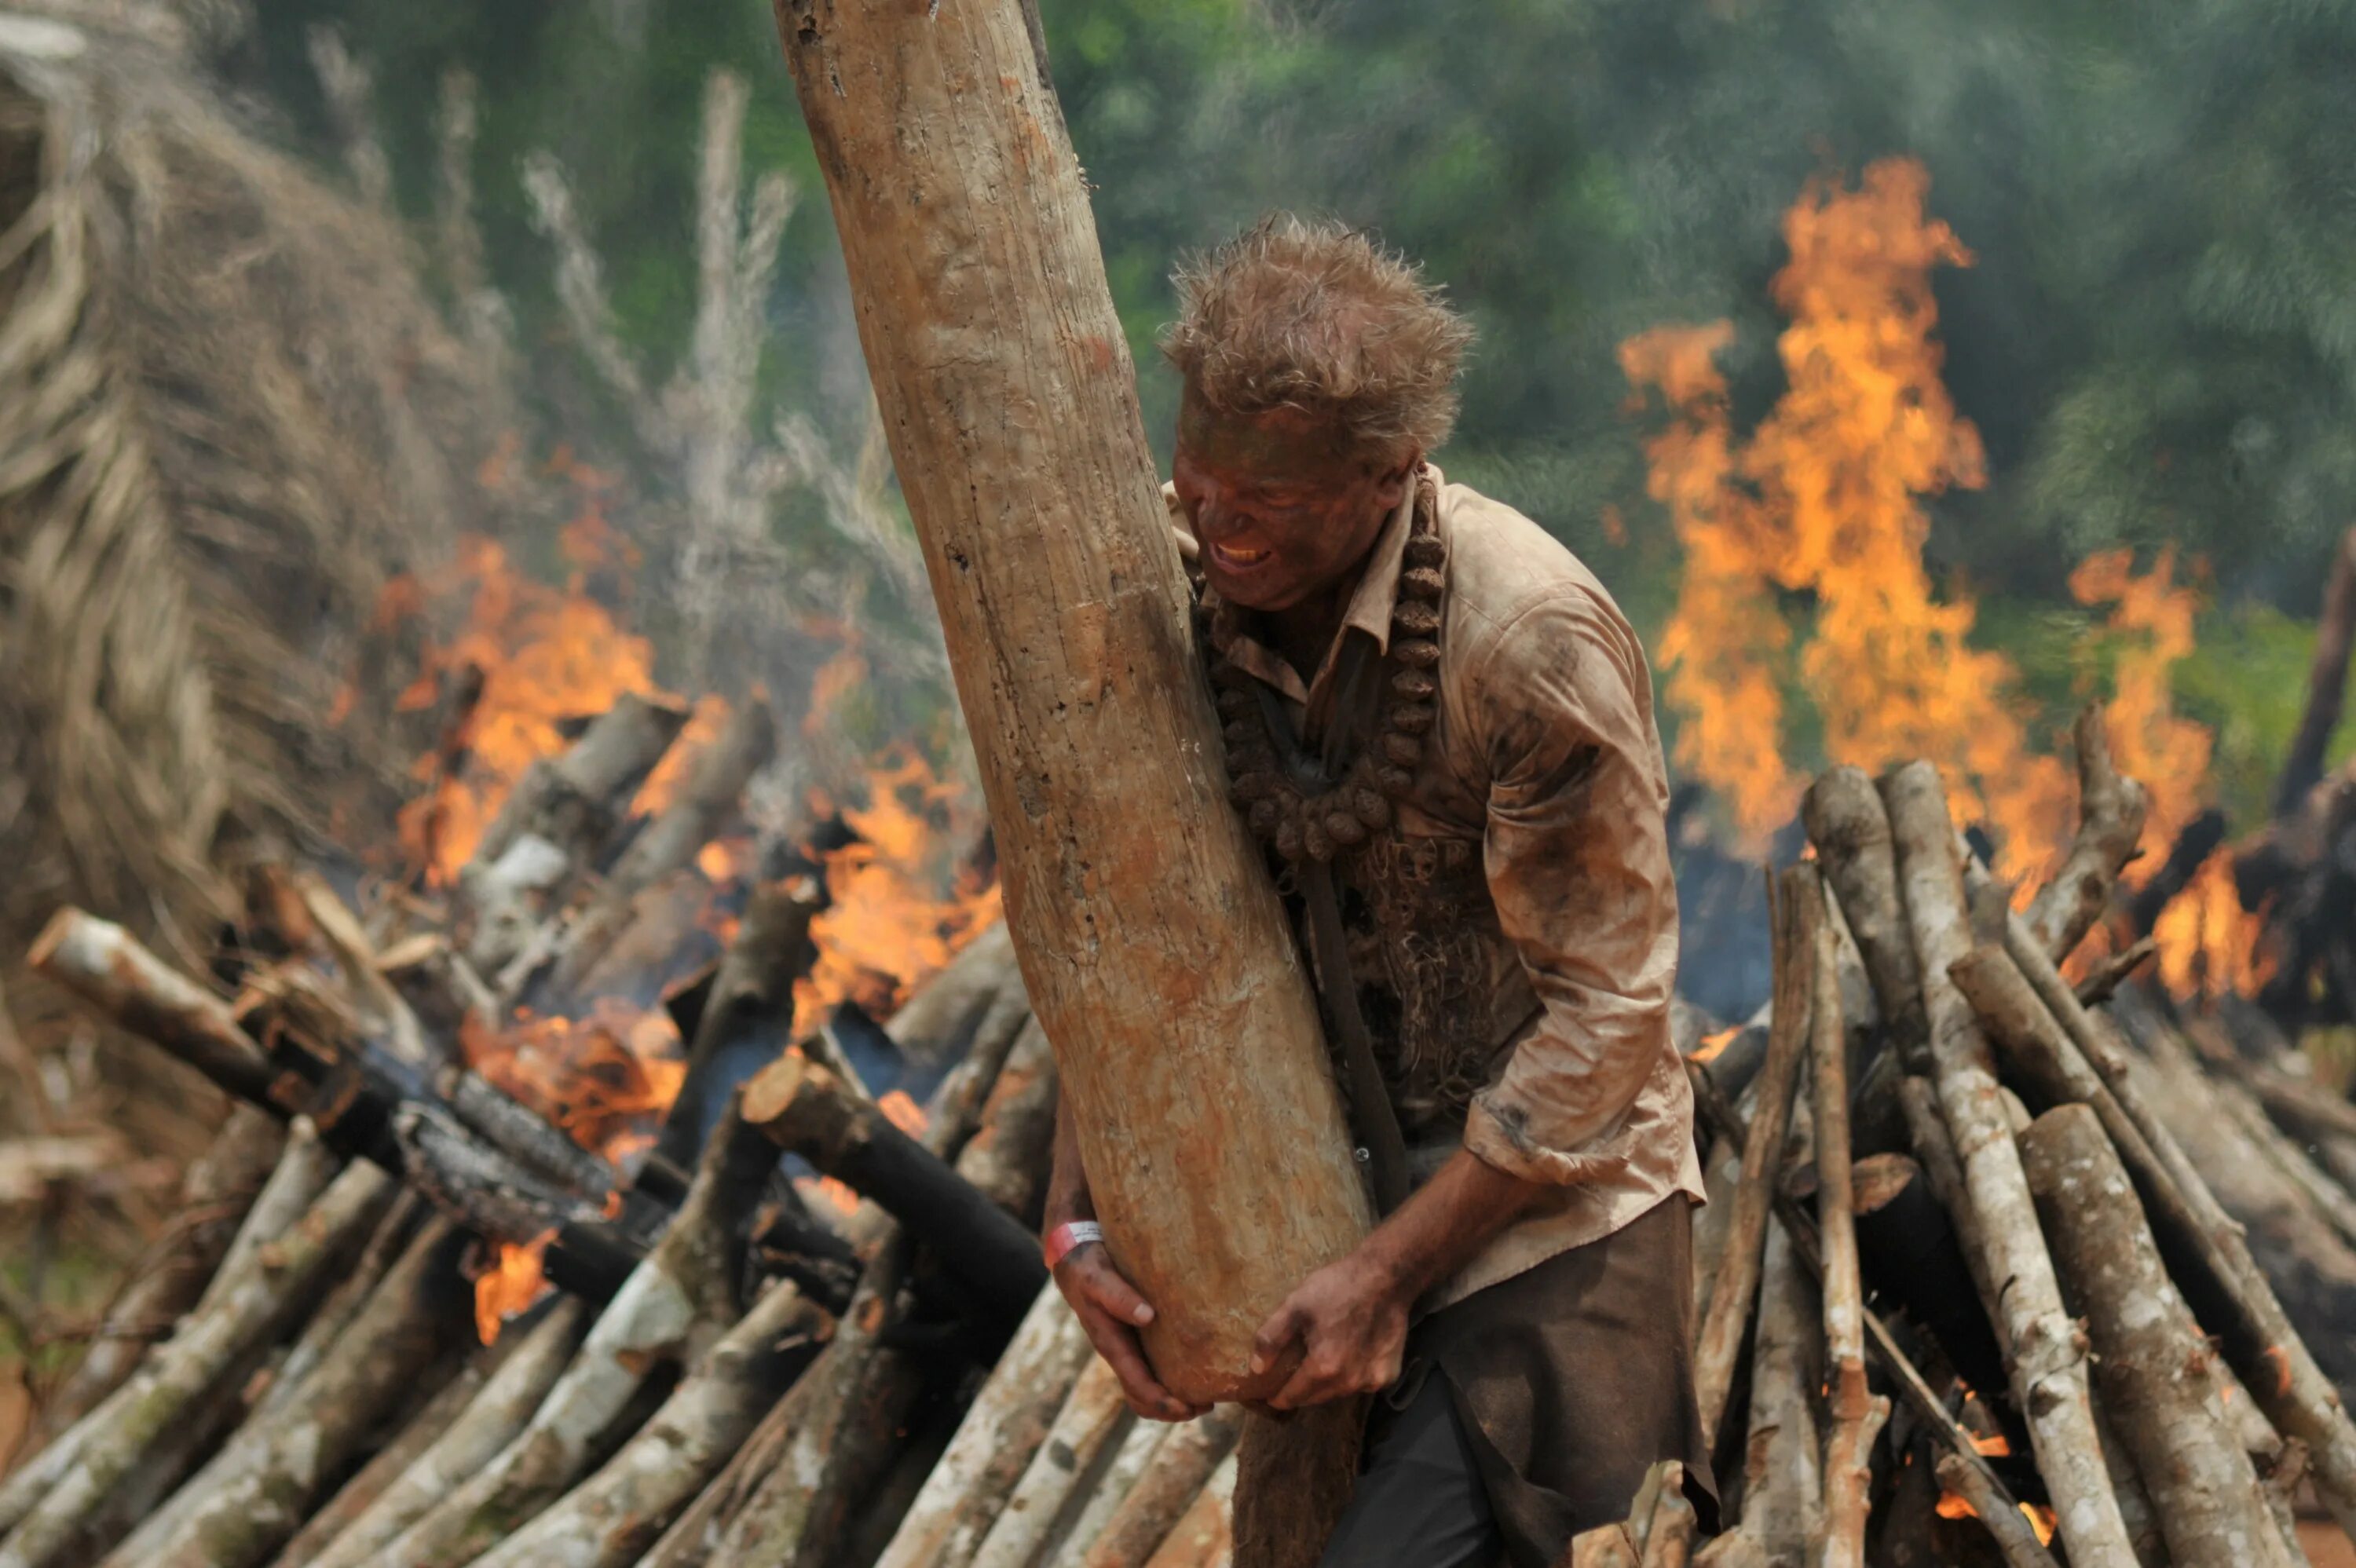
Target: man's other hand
1111, 1311
1346, 1325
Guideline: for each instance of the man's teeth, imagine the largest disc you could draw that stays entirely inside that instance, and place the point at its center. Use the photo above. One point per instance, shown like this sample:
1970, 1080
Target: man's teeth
1238, 555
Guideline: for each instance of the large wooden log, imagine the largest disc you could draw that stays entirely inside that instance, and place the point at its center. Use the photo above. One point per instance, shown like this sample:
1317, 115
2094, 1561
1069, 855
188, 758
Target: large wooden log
2111, 808
1093, 1418
2231, 1293
77, 1475
1180, 1468
1718, 1343
473, 1439
2047, 1358
254, 1495
215, 1194
2152, 1367
1007, 1422
1153, 947
1850, 829
1782, 1491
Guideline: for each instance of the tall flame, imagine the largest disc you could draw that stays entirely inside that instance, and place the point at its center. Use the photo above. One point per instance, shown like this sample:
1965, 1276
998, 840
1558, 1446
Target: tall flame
1825, 498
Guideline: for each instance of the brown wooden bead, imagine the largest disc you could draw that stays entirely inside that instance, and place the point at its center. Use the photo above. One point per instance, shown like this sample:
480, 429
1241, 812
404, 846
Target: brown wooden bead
1257, 758
1426, 551
1287, 838
1263, 818
1371, 807
1236, 703
1315, 842
1413, 718
1404, 750
1259, 784
1415, 653
1344, 829
1413, 620
1395, 780
1424, 582
1415, 685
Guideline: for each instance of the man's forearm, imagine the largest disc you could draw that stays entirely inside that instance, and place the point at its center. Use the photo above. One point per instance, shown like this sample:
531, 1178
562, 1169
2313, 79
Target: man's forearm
1446, 1222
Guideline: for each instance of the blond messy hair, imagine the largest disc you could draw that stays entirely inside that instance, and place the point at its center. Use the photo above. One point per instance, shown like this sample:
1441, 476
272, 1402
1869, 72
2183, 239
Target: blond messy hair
1316, 315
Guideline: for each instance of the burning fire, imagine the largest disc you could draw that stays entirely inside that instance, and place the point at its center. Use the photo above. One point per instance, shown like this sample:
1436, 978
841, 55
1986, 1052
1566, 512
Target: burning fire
1825, 497
885, 928
539, 659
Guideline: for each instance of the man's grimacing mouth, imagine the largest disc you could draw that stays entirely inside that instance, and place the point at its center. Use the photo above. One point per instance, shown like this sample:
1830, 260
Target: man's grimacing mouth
1230, 555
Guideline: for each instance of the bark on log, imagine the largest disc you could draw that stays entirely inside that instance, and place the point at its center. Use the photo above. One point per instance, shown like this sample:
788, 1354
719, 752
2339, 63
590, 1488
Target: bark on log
1293, 1479
2230, 1293
71, 1480
801, 1106
1849, 1486
1204, 1535
1782, 1490
1719, 1342
611, 1519
1180, 1468
1093, 1418
1007, 1422
668, 1313
218, 1190
2327, 684
473, 1439
1103, 1496
2047, 1361
254, 1495
1836, 1203
346, 1299
1006, 1160
2107, 976
2152, 1373
1850, 829
2111, 809
105, 967
1004, 379
450, 1396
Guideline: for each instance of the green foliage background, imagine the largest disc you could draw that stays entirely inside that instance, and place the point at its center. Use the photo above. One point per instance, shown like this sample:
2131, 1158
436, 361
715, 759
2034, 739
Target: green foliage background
2158, 340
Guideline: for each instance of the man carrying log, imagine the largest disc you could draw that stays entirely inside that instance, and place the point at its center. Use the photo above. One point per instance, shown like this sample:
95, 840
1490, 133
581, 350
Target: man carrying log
1439, 726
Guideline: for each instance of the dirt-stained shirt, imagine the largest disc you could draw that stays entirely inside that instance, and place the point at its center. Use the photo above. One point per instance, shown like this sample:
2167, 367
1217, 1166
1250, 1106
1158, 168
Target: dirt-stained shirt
1545, 765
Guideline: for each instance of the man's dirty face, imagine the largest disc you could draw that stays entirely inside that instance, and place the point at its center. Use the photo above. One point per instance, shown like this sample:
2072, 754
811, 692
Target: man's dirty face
1281, 504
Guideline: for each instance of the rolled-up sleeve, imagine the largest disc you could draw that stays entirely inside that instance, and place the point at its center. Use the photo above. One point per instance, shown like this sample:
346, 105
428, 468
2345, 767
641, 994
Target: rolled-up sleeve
1577, 858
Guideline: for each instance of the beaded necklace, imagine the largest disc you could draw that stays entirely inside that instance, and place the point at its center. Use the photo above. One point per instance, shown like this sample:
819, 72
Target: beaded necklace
1293, 807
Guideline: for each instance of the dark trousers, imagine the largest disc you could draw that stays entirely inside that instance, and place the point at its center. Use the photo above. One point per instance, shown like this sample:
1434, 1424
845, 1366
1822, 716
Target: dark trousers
1420, 1501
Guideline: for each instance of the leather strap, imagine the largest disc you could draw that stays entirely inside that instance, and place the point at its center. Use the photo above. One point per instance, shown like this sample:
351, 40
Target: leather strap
1374, 1123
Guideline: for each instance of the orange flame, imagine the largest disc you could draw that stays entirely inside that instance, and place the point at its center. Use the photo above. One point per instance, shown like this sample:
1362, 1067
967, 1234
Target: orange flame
1825, 498
516, 1279
886, 928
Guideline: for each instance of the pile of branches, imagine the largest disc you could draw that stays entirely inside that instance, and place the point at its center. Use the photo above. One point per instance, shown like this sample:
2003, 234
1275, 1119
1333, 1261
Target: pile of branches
730, 1372
1980, 1240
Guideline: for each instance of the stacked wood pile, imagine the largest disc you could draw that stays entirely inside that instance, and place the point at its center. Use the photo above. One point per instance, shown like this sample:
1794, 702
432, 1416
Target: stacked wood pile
1978, 1244
733, 1372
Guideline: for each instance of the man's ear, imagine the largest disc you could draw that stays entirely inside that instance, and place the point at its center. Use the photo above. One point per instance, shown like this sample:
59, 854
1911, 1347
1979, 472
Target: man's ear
1392, 486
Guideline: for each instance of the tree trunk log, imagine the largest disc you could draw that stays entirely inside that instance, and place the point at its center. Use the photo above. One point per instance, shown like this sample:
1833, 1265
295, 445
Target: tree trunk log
2111, 808
1836, 1203
1204, 1535
1155, 953
1136, 1455
473, 1439
669, 1310
1180, 1470
1783, 1487
1093, 1418
1008, 1421
468, 1373
1850, 829
2153, 1373
612, 1518
216, 1194
252, 1498
106, 967
2047, 1360
76, 1477
801, 1106
2229, 1294
2327, 684
1717, 1345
